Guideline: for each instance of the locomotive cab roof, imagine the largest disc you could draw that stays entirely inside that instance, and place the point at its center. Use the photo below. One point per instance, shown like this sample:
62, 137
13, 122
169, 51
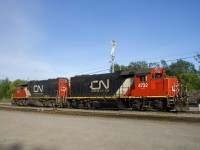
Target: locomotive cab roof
137, 72
129, 72
22, 84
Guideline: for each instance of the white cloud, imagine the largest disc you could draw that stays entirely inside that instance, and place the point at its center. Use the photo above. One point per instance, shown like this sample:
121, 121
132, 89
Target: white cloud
19, 36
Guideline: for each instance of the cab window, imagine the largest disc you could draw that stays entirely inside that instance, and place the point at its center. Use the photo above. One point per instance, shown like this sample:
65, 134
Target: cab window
153, 76
158, 75
143, 78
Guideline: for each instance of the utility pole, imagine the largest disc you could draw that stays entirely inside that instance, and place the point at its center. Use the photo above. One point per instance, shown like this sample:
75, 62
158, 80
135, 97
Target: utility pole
113, 55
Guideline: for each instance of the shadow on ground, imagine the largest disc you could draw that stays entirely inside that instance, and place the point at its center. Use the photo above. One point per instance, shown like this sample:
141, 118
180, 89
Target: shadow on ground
18, 146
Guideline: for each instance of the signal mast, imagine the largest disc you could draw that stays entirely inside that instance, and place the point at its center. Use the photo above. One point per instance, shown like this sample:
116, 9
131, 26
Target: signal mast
113, 55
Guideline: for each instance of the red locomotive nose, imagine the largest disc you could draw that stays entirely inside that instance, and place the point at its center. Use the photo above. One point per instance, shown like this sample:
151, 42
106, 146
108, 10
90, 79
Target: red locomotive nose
172, 86
20, 91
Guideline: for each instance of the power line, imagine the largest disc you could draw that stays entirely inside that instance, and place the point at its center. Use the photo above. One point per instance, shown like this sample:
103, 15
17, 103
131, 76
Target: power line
163, 57
99, 71
179, 58
91, 71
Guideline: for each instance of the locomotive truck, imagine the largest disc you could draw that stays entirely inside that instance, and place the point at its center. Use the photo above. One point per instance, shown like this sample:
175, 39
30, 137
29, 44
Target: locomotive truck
148, 89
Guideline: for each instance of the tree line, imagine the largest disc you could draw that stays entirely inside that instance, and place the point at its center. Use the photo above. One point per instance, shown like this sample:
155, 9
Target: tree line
7, 87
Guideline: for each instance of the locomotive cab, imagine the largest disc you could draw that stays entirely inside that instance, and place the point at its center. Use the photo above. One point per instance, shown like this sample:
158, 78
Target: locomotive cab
20, 90
150, 83
21, 94
156, 91
170, 88
157, 76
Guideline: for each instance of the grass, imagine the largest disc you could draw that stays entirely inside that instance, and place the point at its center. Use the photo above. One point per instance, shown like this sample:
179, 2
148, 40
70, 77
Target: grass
5, 100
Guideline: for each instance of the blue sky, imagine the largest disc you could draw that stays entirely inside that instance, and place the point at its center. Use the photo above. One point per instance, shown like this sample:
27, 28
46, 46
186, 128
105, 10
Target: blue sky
42, 39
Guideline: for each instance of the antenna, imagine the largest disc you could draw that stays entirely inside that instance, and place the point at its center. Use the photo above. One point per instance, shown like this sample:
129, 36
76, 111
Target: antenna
113, 55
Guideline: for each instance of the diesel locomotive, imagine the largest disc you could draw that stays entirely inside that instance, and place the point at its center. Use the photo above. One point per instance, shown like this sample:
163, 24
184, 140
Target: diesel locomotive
148, 89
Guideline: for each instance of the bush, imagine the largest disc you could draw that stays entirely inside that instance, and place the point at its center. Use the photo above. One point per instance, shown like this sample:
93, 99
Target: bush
5, 100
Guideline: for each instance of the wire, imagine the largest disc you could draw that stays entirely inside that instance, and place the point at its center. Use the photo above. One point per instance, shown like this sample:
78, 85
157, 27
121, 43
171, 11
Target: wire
93, 69
163, 56
89, 71
99, 71
178, 59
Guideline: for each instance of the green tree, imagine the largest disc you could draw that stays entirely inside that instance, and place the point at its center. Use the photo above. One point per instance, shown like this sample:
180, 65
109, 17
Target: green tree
197, 57
138, 65
4, 88
182, 66
13, 86
166, 67
7, 87
190, 79
153, 65
119, 67
184, 71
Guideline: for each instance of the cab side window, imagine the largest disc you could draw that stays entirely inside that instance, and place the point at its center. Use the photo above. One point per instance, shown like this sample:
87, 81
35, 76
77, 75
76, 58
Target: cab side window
143, 78
152, 76
158, 75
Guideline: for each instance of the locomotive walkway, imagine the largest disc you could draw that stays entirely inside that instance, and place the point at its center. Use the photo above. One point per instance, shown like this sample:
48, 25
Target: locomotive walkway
190, 116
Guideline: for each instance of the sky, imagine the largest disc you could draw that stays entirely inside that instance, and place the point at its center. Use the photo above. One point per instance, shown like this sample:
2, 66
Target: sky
41, 39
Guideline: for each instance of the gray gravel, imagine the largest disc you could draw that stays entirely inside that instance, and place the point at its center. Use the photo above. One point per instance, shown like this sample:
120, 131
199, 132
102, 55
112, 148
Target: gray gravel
26, 130
189, 116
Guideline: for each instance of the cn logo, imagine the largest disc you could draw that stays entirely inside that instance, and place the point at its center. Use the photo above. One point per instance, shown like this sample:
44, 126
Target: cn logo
174, 87
99, 86
38, 88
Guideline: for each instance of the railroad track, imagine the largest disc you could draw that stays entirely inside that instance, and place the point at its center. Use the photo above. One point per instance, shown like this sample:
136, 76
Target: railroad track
192, 116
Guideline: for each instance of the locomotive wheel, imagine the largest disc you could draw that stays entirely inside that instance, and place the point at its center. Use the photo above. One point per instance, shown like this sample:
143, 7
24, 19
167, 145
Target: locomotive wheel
68, 104
74, 104
159, 105
96, 105
136, 105
80, 105
38, 103
24, 103
88, 104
